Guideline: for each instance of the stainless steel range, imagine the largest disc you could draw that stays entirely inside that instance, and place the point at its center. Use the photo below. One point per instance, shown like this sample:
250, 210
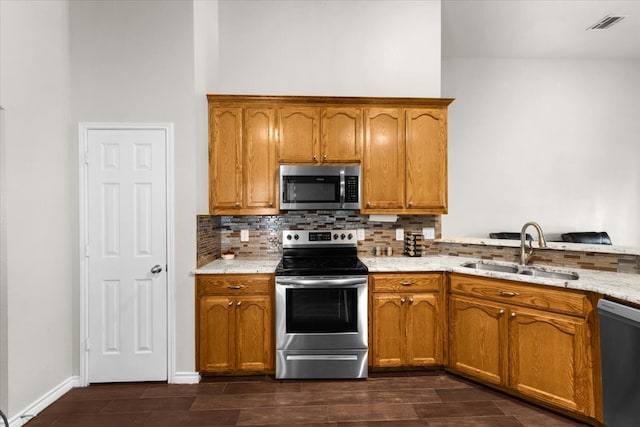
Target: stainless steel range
321, 306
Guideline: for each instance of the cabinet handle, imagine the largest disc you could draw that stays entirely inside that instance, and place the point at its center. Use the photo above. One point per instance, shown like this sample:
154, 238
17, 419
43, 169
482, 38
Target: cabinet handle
410, 204
402, 300
237, 204
508, 294
501, 312
406, 283
270, 204
315, 158
238, 303
324, 157
230, 303
411, 300
235, 286
513, 314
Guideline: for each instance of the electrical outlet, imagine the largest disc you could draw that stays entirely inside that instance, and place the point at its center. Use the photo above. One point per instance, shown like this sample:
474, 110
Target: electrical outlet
399, 233
429, 233
244, 235
360, 233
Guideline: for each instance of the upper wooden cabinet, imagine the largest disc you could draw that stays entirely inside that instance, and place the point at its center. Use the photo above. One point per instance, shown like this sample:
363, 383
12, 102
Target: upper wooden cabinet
405, 161
400, 142
298, 131
242, 160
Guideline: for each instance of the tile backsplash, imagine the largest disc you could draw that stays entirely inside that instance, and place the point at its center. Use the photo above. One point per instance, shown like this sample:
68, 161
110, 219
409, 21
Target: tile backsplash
218, 234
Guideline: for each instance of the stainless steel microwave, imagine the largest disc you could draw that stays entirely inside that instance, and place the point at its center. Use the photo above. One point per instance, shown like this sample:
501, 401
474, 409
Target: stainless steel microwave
319, 187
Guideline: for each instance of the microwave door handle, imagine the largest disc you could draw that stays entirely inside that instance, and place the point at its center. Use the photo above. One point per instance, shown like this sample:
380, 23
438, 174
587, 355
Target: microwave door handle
342, 185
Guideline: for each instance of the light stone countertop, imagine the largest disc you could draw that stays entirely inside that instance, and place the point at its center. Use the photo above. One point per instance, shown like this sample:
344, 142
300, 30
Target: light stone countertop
622, 286
558, 246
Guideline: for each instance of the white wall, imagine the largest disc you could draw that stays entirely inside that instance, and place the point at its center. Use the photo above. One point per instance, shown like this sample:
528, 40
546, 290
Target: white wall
39, 195
133, 61
348, 48
554, 141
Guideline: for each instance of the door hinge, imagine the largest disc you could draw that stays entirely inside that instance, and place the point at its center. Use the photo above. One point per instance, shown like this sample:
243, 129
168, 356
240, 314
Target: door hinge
86, 157
87, 344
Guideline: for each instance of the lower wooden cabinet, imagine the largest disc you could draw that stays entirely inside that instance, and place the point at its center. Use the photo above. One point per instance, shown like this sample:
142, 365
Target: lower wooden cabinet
234, 324
406, 320
537, 341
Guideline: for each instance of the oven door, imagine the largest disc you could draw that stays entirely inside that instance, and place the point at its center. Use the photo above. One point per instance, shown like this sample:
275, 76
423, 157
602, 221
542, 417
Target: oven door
315, 313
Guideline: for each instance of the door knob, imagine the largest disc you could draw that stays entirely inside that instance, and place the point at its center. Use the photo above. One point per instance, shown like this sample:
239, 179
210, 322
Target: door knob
156, 269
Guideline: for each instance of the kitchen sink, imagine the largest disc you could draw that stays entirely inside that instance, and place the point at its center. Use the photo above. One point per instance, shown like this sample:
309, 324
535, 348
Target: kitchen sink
518, 269
535, 272
479, 265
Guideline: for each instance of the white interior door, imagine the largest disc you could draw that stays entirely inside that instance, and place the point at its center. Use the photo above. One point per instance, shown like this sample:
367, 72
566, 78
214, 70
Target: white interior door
127, 251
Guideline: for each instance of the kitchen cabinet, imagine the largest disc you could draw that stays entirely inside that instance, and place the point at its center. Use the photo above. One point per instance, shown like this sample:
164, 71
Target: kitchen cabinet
406, 320
533, 340
242, 160
298, 134
315, 136
405, 160
234, 324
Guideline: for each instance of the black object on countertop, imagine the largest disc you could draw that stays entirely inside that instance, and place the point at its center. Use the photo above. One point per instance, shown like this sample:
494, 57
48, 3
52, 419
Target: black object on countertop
508, 235
591, 237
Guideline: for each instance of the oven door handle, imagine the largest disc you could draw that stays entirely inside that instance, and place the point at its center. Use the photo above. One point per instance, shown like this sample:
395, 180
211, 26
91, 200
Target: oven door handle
321, 283
342, 188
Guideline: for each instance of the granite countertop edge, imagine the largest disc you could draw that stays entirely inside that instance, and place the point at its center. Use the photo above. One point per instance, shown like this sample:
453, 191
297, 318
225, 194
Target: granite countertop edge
622, 286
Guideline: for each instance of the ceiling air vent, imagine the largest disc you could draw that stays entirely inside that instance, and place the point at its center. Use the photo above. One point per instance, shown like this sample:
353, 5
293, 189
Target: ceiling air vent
606, 22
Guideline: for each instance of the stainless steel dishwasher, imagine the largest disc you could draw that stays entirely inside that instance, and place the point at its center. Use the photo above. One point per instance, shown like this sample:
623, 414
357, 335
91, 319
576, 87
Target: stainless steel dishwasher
620, 353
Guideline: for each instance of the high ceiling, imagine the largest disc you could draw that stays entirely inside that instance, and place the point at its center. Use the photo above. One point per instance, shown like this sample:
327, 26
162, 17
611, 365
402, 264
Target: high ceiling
540, 29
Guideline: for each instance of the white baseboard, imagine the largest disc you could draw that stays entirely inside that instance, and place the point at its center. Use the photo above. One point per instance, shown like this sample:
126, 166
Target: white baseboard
43, 401
186, 378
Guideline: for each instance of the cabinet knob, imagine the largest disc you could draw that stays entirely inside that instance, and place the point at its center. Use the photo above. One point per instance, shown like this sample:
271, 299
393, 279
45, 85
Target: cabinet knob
230, 303
368, 204
324, 157
513, 314
402, 300
501, 311
410, 204
411, 300
315, 158
239, 303
270, 204
237, 204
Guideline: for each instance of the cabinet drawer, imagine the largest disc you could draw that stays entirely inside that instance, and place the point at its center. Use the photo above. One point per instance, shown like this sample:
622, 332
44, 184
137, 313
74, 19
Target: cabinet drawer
405, 282
545, 298
234, 284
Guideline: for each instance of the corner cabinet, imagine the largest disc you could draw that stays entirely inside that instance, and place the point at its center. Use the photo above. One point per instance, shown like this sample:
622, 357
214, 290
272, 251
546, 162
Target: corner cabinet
405, 159
537, 341
234, 324
407, 320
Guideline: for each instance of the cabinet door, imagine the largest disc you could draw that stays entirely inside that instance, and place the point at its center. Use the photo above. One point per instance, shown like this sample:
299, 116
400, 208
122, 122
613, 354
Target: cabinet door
389, 334
478, 338
260, 165
384, 160
550, 358
216, 334
253, 333
424, 340
426, 147
341, 135
298, 135
225, 158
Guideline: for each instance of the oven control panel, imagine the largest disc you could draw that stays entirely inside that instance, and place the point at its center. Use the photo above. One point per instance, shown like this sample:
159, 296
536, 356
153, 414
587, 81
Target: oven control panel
323, 237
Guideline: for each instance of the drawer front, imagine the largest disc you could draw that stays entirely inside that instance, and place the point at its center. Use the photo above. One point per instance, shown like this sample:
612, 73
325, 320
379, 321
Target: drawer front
240, 284
542, 297
405, 282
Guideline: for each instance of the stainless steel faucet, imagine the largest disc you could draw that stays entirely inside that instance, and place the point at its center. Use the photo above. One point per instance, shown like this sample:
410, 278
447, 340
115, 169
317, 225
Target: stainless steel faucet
525, 255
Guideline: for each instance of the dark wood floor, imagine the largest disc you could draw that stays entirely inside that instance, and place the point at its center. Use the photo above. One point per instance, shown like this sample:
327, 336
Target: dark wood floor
426, 399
